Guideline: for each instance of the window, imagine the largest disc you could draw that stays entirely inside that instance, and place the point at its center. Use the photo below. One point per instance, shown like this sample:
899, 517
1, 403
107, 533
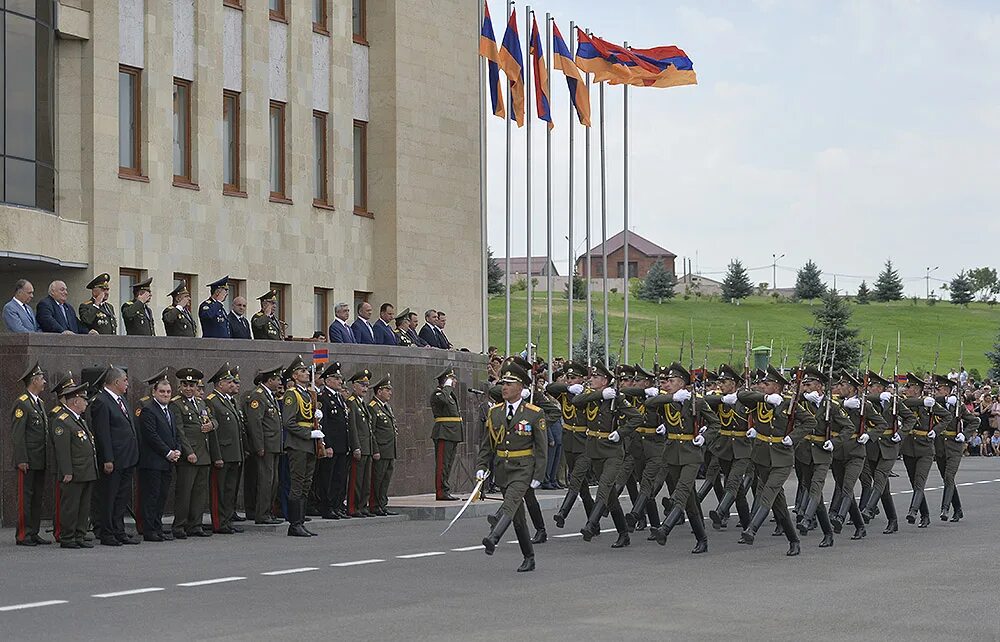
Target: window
277, 150
321, 309
127, 277
281, 289
319, 16
359, 298
182, 131
237, 287
360, 22
235, 4
633, 269
360, 167
277, 10
320, 195
187, 279
231, 142
129, 121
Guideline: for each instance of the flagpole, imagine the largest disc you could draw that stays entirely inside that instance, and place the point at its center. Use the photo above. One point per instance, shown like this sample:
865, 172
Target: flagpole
483, 234
604, 232
587, 190
625, 208
527, 164
548, 186
507, 219
572, 262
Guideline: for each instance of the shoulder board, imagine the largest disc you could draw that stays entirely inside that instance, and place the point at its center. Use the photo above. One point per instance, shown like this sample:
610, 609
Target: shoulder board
259, 313
260, 390
372, 403
127, 303
146, 398
211, 396
90, 301
351, 398
63, 416
496, 405
175, 398
23, 398
55, 409
531, 406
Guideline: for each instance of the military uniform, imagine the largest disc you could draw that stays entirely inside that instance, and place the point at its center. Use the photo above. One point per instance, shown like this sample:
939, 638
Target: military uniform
917, 448
263, 415
136, 315
265, 326
330, 478
731, 449
384, 435
177, 320
574, 426
883, 450
299, 424
76, 458
224, 482
197, 435
99, 317
949, 448
446, 433
212, 313
30, 431
359, 485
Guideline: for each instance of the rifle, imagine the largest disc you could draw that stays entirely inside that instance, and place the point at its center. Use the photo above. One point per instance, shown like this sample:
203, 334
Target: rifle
746, 359
895, 394
790, 424
930, 375
656, 348
680, 358
704, 367
863, 393
829, 390
642, 355
958, 390
822, 349
694, 395
732, 348
884, 359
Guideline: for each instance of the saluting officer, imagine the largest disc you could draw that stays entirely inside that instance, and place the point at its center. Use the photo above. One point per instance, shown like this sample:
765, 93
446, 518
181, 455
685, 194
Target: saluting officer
230, 430
949, 448
212, 313
136, 315
402, 328
298, 420
447, 432
76, 466
263, 416
177, 319
31, 441
199, 450
384, 433
917, 448
263, 324
365, 450
96, 313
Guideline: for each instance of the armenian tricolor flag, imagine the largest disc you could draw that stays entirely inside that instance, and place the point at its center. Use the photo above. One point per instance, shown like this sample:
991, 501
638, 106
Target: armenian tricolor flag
512, 64
655, 67
673, 67
488, 50
320, 355
541, 75
562, 59
605, 60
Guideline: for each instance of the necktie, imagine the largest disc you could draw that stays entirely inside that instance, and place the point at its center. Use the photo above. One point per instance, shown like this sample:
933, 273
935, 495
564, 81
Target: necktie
62, 307
121, 404
166, 413
350, 333
510, 413
246, 326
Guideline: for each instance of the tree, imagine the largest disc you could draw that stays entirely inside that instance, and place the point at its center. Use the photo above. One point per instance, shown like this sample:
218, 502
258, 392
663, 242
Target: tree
961, 289
832, 322
579, 285
595, 341
994, 358
809, 282
888, 286
658, 285
985, 283
737, 283
494, 275
864, 294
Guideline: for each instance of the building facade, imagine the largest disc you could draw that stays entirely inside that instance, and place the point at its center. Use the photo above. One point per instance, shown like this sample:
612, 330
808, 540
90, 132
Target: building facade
327, 149
642, 254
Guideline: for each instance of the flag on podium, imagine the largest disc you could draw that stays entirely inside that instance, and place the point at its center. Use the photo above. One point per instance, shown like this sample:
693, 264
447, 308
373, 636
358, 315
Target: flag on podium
320, 355
488, 50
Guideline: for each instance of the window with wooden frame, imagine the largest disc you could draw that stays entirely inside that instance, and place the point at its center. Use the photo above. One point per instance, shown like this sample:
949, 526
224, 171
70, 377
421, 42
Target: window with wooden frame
281, 292
360, 18
237, 287
231, 143
277, 10
321, 309
127, 277
182, 132
320, 180
188, 280
277, 126
235, 4
320, 17
361, 167
129, 121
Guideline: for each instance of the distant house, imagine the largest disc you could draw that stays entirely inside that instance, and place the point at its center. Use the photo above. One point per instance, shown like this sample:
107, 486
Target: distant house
519, 266
642, 254
692, 283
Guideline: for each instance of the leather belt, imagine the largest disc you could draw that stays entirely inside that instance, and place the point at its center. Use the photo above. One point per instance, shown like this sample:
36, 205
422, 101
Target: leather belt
305, 424
596, 433
732, 433
510, 454
818, 439
440, 420
948, 433
646, 431
919, 433
769, 440
574, 428
677, 436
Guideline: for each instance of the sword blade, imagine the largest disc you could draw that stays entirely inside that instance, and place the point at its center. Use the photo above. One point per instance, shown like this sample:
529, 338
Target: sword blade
475, 493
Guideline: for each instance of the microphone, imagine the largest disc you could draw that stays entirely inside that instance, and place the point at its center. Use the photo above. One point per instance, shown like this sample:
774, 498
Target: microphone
476, 392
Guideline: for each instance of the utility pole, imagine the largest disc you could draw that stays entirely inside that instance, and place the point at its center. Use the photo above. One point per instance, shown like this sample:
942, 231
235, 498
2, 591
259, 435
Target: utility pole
774, 270
927, 282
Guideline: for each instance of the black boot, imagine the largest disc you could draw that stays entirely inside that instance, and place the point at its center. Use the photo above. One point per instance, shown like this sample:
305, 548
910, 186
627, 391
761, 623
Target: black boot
859, 524
779, 530
793, 540
701, 537
890, 513
540, 536
836, 514
706, 487
750, 532
527, 550
652, 514
721, 513
956, 504
949, 491
309, 532
593, 525
491, 540
824, 523
915, 501
860, 532
925, 521
632, 517
672, 519
618, 517
492, 519
866, 496
567, 505
807, 514
296, 512
642, 523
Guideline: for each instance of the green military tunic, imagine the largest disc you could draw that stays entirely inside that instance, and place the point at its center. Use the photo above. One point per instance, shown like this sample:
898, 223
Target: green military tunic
98, 317
882, 452
75, 456
849, 459
948, 452
520, 447
230, 434
265, 327
809, 452
197, 435
30, 436
384, 437
361, 439
138, 318
684, 422
263, 420
731, 447
179, 323
447, 432
917, 449
602, 455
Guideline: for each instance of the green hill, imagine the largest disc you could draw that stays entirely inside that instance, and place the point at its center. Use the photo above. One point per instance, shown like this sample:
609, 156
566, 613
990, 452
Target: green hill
919, 324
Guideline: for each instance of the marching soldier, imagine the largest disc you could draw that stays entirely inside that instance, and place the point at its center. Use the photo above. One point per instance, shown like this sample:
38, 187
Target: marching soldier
917, 447
177, 320
199, 451
384, 435
31, 441
263, 324
136, 315
447, 432
263, 415
949, 446
651, 444
574, 435
96, 313
76, 467
779, 422
515, 434
212, 313
732, 448
230, 428
688, 425
635, 397
365, 449
298, 420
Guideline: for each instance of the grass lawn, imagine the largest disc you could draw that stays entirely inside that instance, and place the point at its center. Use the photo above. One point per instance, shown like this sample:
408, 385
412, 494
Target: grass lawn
920, 326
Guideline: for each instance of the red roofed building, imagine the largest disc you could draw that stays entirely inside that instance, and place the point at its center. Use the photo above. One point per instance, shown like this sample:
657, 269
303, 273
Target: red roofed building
642, 253
519, 266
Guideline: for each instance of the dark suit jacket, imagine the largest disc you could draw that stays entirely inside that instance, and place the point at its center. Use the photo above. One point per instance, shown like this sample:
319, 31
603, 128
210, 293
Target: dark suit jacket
384, 334
430, 335
361, 332
339, 334
158, 437
416, 338
237, 329
336, 422
116, 437
50, 319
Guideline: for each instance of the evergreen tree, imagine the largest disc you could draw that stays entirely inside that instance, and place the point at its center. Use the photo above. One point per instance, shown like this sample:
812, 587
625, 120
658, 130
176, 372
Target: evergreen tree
832, 319
888, 287
864, 294
961, 289
596, 342
579, 285
658, 284
809, 282
494, 275
994, 358
737, 283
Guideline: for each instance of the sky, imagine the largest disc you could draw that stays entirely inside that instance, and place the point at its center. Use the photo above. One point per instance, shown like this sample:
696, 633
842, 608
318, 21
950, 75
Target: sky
846, 132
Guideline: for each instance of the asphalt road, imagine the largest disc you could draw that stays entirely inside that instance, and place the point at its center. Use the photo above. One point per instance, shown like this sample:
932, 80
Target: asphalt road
404, 581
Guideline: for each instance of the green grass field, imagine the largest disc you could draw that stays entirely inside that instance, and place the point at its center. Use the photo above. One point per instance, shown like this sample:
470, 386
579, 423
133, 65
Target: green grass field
920, 326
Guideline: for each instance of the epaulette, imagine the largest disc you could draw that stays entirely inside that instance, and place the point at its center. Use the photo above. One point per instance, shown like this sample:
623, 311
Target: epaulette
260, 390
496, 405
372, 403
146, 398
259, 313
63, 416
55, 409
211, 396
89, 301
175, 398
127, 303
351, 398
531, 406
23, 398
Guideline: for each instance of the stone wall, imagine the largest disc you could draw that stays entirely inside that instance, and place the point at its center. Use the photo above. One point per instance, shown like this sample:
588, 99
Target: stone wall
412, 371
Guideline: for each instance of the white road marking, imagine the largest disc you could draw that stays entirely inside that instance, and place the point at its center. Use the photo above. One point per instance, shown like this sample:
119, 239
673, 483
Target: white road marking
290, 571
357, 563
569, 535
218, 580
151, 589
478, 547
413, 556
32, 605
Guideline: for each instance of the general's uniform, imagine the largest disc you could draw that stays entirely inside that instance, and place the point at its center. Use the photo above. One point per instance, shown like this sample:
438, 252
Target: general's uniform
178, 322
298, 422
138, 318
30, 428
212, 313
882, 451
197, 436
384, 429
263, 415
76, 455
265, 327
99, 317
330, 480
224, 482
447, 432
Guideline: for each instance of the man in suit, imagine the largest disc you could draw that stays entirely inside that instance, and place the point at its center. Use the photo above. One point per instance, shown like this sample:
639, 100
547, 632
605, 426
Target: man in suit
263, 413
96, 313
55, 315
264, 324
442, 319
239, 327
429, 333
415, 338
211, 312
17, 314
136, 315
31, 442
159, 450
177, 319
117, 455
362, 328
340, 332
384, 334
231, 427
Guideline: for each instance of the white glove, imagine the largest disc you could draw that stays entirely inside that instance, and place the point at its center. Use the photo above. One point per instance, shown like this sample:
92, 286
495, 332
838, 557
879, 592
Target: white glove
786, 440
614, 437
929, 402
698, 441
814, 397
701, 431
828, 446
609, 393
960, 438
730, 399
652, 391
863, 439
885, 396
774, 400
449, 382
952, 400
681, 395
318, 414
896, 438
661, 430
525, 393
752, 433
852, 402
480, 475
931, 434
576, 388
535, 483
316, 434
